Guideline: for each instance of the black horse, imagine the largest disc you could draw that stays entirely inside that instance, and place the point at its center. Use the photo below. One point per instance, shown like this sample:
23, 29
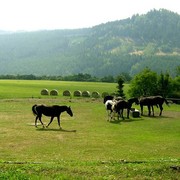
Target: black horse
152, 101
52, 111
122, 104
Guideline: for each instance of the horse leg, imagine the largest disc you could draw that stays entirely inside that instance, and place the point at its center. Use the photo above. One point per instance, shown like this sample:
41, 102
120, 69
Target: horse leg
118, 115
113, 114
161, 109
59, 122
149, 110
153, 110
41, 120
50, 121
122, 114
128, 113
142, 110
38, 117
36, 121
108, 115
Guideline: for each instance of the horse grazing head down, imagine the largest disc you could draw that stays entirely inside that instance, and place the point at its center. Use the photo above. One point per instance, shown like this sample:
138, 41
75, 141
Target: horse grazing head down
69, 111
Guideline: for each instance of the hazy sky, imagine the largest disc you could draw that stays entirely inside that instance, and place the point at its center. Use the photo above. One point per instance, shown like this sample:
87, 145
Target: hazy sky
67, 14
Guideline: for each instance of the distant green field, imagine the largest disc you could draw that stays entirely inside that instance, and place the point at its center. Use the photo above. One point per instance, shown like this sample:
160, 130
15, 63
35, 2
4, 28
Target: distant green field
28, 89
88, 147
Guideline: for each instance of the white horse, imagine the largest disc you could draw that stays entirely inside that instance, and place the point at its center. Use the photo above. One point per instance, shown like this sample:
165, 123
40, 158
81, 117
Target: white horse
108, 105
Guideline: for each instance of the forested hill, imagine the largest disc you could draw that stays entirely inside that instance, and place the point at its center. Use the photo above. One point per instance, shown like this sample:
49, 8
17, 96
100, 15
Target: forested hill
151, 40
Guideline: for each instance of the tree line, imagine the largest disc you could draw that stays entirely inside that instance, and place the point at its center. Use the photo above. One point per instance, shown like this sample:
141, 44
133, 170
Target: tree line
145, 83
149, 83
76, 77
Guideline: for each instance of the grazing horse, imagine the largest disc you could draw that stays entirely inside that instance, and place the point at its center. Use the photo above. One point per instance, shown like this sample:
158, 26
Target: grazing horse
108, 106
152, 101
52, 111
120, 105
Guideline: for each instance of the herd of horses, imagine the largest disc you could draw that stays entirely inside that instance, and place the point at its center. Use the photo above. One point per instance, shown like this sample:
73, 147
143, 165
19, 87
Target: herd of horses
117, 105
113, 105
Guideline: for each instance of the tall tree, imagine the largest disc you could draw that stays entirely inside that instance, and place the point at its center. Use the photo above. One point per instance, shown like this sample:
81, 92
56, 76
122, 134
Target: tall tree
164, 84
144, 83
120, 91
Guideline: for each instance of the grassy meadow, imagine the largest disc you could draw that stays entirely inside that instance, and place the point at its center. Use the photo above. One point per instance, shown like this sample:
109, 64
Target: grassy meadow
88, 147
29, 89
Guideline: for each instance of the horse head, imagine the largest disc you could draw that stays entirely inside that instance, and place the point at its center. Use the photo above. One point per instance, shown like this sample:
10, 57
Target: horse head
69, 111
134, 100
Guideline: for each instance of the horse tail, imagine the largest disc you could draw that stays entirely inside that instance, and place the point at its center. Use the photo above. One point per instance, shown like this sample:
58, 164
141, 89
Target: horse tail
34, 110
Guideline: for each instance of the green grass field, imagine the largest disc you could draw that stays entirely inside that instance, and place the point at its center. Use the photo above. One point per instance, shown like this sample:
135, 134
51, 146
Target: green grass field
88, 147
29, 89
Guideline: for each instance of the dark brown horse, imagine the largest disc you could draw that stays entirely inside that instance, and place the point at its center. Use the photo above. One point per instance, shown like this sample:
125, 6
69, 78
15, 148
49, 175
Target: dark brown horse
51, 111
152, 101
122, 104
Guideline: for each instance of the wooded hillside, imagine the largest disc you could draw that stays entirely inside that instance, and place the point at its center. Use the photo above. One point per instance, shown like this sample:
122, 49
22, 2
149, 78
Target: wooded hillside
151, 40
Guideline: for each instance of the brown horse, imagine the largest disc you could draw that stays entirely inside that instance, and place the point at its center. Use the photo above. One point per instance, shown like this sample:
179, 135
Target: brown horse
51, 111
120, 105
152, 101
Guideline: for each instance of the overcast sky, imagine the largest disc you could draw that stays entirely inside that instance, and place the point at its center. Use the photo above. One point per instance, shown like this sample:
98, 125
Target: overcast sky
33, 15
